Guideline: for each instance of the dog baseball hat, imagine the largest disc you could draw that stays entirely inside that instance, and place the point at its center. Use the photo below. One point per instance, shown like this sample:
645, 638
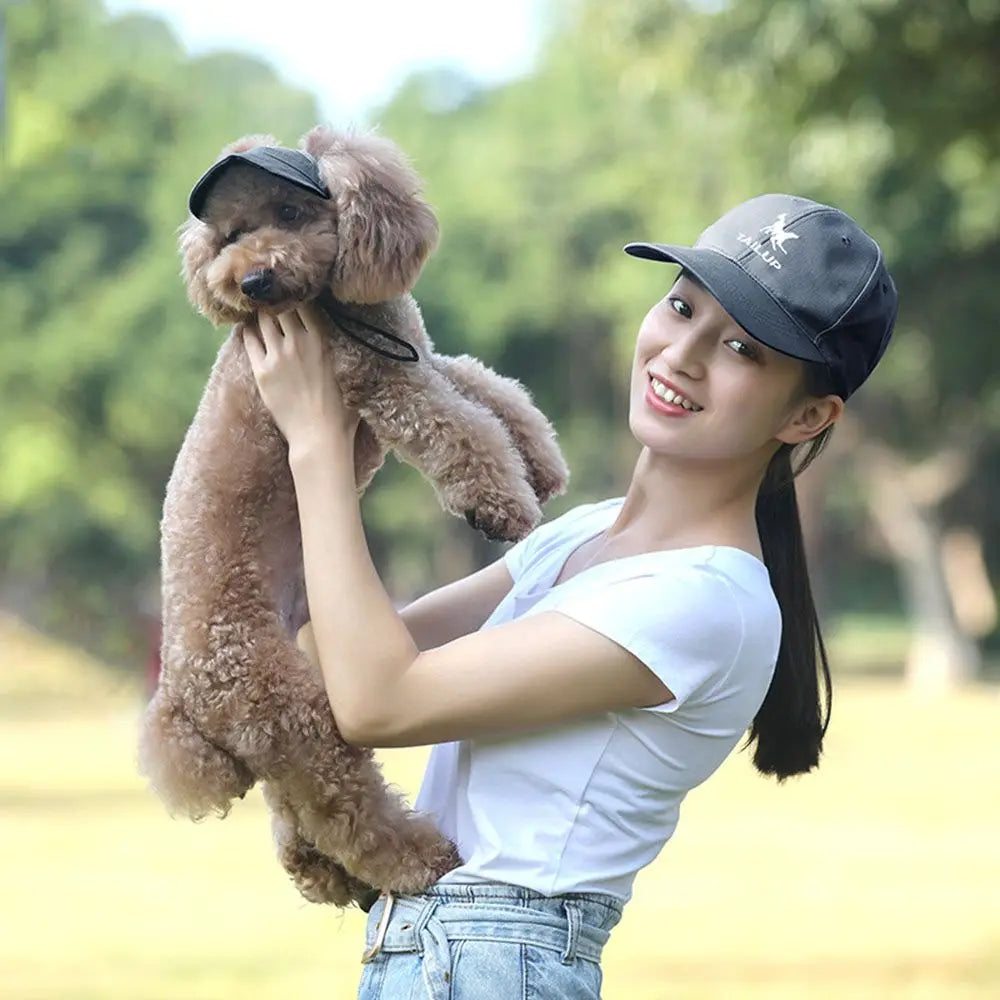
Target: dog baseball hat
798, 276
290, 165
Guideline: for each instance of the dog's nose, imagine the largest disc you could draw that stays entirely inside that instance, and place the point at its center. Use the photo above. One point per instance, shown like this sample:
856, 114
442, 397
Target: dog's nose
258, 285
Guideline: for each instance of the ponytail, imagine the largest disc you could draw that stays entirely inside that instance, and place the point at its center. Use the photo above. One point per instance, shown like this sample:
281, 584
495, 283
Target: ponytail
789, 727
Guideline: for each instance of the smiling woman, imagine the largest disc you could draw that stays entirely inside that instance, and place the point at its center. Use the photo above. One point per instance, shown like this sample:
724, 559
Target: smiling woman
578, 688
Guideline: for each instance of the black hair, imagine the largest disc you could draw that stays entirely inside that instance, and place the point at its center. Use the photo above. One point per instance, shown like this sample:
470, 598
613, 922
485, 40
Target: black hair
789, 727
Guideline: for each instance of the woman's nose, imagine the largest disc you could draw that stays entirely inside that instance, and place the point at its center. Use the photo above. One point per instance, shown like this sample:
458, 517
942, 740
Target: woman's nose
685, 354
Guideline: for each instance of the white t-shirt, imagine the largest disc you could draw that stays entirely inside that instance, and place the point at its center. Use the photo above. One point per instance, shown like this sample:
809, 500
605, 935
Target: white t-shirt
582, 807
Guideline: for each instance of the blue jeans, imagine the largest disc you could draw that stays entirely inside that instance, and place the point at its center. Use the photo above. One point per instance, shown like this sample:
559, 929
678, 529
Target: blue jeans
488, 942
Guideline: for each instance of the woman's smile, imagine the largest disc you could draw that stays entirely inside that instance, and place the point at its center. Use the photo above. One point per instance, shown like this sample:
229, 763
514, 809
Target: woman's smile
664, 397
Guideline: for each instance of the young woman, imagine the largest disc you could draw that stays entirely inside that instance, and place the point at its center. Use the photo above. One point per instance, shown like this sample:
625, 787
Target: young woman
580, 686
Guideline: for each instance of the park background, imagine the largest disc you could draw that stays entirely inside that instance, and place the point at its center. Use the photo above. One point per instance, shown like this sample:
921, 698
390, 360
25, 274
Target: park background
877, 877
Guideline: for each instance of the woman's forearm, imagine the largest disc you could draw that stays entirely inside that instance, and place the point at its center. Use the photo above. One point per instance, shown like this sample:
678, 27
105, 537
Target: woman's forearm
362, 643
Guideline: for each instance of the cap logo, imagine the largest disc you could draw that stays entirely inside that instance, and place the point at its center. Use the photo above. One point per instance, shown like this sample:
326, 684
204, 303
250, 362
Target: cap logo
778, 233
777, 236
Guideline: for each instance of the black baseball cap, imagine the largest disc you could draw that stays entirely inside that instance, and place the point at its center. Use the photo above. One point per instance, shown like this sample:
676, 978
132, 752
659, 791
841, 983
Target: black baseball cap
798, 276
292, 165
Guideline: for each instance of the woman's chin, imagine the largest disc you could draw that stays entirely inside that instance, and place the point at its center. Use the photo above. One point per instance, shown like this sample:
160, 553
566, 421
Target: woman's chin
648, 427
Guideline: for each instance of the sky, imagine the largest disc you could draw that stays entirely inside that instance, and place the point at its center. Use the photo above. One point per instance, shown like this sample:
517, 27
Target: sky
353, 53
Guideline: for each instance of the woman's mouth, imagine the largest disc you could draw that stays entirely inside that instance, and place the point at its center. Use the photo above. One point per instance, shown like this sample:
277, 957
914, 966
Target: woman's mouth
665, 398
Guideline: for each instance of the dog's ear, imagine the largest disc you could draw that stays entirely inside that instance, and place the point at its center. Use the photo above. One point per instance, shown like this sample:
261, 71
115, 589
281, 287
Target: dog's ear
248, 142
385, 230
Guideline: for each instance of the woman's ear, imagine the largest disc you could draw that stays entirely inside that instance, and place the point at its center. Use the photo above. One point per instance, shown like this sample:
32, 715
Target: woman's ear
810, 417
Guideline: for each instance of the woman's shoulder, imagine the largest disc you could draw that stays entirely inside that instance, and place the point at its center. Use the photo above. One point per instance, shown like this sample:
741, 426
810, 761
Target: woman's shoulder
565, 530
743, 573
711, 589
573, 521
577, 515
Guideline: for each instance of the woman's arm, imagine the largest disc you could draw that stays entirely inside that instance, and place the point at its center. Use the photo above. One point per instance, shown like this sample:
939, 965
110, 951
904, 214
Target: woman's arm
383, 690
446, 613
458, 608
529, 674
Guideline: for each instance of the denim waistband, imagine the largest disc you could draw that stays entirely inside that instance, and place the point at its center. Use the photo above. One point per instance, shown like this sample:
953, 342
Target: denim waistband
575, 925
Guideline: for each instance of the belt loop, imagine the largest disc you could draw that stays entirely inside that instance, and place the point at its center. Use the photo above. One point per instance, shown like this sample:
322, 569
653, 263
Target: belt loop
383, 926
421, 923
573, 920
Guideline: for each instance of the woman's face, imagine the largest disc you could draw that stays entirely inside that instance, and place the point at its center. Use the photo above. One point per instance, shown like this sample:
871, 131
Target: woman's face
738, 398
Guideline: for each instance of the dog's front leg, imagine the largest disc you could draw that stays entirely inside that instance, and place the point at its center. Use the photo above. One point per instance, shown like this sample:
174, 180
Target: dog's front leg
461, 446
528, 427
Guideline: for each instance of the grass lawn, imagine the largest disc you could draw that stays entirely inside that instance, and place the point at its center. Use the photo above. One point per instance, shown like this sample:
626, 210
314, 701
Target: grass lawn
878, 877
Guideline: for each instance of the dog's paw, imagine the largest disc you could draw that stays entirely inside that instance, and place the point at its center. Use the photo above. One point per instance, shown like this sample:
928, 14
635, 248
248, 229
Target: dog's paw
549, 475
318, 878
506, 522
417, 872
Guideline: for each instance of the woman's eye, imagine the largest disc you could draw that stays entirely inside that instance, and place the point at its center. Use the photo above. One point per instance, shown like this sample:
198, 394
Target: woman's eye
288, 213
680, 306
742, 347
232, 236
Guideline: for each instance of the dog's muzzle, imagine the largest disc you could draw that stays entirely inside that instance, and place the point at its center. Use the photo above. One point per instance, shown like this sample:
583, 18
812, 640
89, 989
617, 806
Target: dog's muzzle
259, 285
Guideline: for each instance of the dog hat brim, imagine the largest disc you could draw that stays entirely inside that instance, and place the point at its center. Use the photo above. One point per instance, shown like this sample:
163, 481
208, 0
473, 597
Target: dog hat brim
290, 165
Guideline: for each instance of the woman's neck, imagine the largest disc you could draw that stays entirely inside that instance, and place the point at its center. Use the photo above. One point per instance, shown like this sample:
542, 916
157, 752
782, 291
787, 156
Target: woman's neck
671, 504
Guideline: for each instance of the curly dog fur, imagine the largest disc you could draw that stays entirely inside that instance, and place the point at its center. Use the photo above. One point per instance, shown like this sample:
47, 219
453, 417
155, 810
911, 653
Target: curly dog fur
238, 701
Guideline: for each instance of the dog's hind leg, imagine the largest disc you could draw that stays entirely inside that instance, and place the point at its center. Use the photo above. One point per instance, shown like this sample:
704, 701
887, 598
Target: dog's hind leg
364, 823
192, 775
318, 877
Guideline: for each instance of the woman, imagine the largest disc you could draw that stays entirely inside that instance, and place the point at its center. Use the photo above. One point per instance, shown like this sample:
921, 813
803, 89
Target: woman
580, 686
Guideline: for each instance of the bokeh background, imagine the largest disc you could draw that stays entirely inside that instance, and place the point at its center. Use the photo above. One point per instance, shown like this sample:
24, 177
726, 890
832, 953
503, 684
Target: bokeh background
549, 134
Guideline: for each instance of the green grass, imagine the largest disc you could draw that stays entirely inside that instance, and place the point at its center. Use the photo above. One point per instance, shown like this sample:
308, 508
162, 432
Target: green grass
867, 644
877, 877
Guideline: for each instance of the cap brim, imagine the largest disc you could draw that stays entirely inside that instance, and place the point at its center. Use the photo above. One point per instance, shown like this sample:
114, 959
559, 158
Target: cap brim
748, 302
290, 165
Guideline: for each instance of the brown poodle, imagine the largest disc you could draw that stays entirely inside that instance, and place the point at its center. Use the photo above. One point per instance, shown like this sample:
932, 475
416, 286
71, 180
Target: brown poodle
237, 701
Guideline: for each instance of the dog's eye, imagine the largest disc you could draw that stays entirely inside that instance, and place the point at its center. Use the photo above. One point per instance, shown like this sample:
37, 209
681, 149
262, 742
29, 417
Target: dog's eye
288, 213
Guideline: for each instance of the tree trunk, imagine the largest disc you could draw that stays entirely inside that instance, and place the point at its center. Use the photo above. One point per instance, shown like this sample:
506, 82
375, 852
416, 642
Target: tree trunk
968, 581
903, 500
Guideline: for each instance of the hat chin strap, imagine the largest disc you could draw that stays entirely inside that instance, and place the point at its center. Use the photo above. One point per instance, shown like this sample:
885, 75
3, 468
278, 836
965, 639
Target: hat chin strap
375, 338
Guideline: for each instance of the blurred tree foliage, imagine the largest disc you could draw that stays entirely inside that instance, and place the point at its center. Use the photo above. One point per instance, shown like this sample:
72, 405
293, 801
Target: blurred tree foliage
642, 119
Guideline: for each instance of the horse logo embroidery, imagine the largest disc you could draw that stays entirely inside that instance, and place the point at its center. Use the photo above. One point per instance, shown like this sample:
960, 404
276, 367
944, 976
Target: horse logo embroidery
778, 233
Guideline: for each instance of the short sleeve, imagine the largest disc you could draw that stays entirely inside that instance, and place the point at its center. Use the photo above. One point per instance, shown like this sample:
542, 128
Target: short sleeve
686, 626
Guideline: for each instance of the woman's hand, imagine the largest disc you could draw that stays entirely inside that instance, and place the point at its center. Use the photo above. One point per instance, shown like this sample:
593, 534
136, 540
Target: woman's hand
287, 358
